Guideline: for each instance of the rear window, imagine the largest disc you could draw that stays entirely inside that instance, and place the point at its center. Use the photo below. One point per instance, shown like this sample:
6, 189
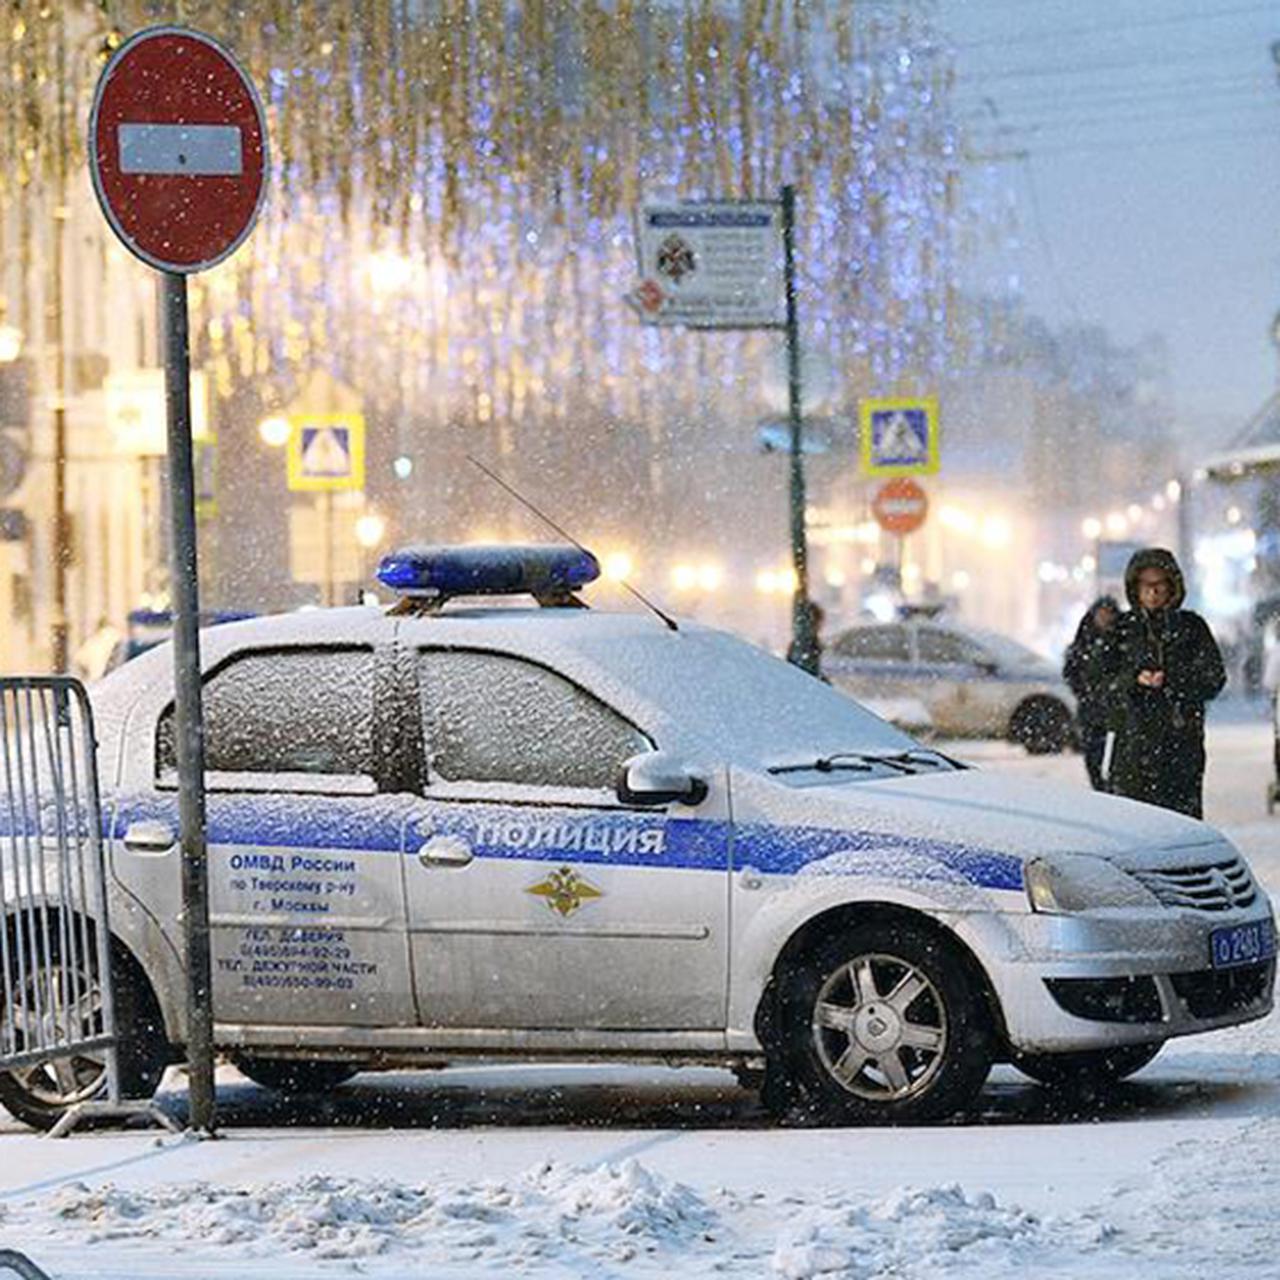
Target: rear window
285, 711
884, 644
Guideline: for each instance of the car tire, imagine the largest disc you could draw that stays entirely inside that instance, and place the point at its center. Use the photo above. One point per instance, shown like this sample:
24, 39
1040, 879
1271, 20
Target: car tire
291, 1076
1042, 725
882, 1024
1087, 1071
41, 1095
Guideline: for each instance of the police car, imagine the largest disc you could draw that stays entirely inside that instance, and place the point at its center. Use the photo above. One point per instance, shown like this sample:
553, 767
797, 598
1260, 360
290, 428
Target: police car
483, 827
969, 682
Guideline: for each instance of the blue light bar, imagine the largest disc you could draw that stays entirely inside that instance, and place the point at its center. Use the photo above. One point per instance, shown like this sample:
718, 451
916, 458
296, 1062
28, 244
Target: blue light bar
487, 570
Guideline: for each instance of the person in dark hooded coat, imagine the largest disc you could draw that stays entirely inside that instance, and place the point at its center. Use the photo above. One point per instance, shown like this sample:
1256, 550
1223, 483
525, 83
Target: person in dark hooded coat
1085, 674
1163, 665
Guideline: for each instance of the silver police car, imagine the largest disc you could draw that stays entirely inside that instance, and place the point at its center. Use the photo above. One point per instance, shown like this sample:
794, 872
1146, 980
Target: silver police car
955, 680
472, 827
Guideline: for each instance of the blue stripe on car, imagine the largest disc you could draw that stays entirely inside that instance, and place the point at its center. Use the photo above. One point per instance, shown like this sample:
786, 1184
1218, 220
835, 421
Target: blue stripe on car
279, 821
618, 838
787, 850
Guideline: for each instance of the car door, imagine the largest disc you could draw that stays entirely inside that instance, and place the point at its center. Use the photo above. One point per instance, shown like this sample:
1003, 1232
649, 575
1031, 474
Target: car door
305, 891
967, 692
536, 899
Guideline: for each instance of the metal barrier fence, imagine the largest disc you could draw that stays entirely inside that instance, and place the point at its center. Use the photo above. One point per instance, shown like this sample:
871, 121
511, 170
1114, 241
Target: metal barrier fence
58, 1032
18, 1263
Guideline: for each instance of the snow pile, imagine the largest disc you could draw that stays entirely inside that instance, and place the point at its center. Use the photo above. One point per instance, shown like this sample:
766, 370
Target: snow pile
551, 1213
573, 1220
328, 1217
627, 1199
925, 1232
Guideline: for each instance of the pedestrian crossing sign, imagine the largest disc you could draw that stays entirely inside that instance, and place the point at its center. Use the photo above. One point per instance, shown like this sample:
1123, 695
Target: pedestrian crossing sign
899, 437
326, 451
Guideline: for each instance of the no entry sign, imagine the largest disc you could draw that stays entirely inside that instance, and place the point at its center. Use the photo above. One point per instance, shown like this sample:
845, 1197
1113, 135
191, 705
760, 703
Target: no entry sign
178, 155
900, 506
177, 149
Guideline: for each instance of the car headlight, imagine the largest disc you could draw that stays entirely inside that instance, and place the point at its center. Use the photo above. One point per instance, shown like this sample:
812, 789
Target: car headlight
1068, 883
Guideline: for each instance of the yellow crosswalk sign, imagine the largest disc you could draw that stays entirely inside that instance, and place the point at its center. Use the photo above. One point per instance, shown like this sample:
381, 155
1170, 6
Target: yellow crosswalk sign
899, 437
326, 451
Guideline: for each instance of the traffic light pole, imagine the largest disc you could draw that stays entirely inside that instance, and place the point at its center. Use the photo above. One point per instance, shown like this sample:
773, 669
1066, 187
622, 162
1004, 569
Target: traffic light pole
189, 712
804, 641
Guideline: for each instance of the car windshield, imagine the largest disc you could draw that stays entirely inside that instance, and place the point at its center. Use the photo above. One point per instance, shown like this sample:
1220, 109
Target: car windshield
748, 705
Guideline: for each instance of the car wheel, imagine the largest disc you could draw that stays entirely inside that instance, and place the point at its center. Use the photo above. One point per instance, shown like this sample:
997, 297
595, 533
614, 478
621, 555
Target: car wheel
1041, 725
296, 1075
881, 1025
41, 1094
1088, 1070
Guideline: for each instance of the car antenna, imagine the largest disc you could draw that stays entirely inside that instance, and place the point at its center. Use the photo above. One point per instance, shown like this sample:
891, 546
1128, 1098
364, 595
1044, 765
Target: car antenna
568, 537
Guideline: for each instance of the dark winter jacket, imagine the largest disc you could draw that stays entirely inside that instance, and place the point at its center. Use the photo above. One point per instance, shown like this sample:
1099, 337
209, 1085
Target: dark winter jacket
1083, 667
1159, 747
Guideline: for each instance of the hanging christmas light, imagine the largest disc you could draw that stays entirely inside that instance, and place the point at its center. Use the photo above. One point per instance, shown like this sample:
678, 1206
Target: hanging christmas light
453, 184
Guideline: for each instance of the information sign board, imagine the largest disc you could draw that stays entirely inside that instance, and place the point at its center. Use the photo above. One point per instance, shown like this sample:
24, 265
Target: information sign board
711, 265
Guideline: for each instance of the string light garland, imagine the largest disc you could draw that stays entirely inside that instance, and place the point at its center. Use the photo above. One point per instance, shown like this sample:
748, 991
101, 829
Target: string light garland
449, 224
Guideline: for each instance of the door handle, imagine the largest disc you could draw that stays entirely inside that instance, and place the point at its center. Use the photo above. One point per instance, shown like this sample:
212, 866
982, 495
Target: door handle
149, 836
445, 851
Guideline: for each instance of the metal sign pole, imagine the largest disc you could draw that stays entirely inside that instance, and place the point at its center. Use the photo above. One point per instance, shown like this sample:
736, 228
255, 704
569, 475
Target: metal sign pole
804, 647
188, 708
326, 505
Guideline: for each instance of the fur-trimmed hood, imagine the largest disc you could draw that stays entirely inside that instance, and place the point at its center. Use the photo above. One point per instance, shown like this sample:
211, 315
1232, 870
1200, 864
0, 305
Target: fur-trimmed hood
1154, 558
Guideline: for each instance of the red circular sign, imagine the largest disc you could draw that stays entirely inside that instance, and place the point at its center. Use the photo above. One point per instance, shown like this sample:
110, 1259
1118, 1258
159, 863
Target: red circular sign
900, 506
177, 149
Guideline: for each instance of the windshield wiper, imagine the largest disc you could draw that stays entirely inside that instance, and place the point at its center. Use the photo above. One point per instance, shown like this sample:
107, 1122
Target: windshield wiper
922, 756
900, 760
824, 764
865, 761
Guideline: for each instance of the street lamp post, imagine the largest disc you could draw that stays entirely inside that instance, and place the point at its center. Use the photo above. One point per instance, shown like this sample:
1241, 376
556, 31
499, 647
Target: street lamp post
60, 627
59, 656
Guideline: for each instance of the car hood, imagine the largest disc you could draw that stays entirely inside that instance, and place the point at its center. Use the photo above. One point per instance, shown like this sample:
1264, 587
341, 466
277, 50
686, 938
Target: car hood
986, 814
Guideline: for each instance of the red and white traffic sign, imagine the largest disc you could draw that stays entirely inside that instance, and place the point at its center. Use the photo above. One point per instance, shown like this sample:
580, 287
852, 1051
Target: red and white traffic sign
900, 506
177, 149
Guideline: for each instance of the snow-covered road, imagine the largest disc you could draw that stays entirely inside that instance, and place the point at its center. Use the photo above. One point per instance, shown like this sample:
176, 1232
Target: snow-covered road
621, 1172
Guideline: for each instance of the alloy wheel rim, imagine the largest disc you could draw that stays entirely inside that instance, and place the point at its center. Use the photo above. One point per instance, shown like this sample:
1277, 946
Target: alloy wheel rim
63, 1012
880, 1028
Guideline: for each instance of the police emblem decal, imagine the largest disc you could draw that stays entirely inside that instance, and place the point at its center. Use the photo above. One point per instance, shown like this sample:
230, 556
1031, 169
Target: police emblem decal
564, 891
676, 259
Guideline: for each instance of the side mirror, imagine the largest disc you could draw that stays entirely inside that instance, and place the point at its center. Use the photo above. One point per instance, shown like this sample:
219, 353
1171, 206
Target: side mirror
658, 777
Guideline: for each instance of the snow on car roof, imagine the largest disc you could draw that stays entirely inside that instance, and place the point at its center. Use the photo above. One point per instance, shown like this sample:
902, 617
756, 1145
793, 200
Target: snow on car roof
697, 688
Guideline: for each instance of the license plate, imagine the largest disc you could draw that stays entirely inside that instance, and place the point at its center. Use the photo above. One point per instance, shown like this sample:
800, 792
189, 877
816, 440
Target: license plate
1242, 944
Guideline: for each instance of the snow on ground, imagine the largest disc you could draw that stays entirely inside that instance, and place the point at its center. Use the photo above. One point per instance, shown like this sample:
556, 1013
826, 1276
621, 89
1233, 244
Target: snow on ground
613, 1171
577, 1220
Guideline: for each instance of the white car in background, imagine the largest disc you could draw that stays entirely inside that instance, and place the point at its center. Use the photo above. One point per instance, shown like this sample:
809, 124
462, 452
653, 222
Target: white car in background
453, 830
971, 683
